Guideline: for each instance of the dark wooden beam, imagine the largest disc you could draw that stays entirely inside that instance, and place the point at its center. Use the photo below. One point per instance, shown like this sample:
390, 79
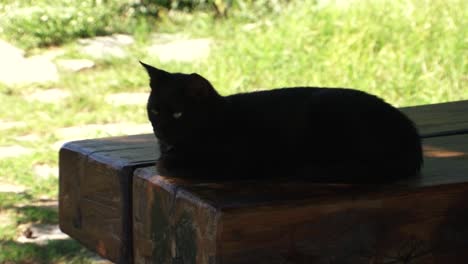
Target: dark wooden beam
440, 119
96, 179
95, 191
288, 221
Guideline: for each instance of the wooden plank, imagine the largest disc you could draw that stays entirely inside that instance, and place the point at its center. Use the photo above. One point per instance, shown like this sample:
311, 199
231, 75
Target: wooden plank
440, 119
95, 180
95, 189
289, 221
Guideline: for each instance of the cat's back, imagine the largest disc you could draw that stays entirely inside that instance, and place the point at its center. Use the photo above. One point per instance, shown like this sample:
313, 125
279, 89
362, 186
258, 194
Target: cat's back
304, 100
337, 127
304, 114
339, 115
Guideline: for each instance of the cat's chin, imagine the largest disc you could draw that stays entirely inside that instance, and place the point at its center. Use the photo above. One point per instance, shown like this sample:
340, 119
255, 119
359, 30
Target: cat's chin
171, 167
163, 166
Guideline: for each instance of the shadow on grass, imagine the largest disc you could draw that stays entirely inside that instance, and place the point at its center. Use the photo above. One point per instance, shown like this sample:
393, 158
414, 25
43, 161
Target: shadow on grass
8, 200
43, 212
68, 251
26, 209
36, 214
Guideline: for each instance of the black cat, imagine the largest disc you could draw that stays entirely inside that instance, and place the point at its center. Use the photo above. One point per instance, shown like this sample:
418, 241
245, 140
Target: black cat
322, 134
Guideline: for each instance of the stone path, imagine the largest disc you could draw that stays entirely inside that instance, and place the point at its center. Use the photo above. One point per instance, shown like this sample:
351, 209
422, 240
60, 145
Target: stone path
75, 65
13, 151
106, 46
28, 138
40, 234
15, 69
54, 95
6, 187
10, 52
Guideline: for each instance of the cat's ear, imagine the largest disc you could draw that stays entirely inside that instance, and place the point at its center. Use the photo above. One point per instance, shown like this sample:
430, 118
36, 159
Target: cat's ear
154, 73
199, 87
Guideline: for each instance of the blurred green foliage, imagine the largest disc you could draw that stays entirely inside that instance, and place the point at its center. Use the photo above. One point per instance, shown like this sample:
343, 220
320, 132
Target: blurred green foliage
39, 23
43, 24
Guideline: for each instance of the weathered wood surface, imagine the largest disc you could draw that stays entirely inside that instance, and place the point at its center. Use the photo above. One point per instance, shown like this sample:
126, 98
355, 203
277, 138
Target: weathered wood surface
94, 191
417, 221
435, 119
96, 180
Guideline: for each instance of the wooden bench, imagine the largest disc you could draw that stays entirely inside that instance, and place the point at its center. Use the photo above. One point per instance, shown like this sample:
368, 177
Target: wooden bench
114, 202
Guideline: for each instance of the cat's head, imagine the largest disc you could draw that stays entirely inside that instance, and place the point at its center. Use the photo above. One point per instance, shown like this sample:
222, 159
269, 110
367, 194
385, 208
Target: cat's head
179, 104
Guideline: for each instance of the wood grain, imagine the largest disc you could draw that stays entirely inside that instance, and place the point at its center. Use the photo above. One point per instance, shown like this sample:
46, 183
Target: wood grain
95, 190
289, 221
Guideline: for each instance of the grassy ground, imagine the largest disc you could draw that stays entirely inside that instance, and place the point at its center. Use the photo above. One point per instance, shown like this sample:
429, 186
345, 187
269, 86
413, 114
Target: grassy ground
409, 52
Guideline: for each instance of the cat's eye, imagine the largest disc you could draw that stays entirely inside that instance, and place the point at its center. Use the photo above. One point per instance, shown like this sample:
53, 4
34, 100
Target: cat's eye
155, 112
177, 115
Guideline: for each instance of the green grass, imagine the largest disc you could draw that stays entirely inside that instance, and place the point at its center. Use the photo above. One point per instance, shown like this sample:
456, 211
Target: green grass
67, 251
33, 24
409, 52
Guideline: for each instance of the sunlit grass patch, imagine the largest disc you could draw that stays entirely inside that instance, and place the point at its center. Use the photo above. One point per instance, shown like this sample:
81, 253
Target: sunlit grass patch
408, 52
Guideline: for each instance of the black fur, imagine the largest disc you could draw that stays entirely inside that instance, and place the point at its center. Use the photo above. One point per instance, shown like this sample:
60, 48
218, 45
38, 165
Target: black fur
323, 134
